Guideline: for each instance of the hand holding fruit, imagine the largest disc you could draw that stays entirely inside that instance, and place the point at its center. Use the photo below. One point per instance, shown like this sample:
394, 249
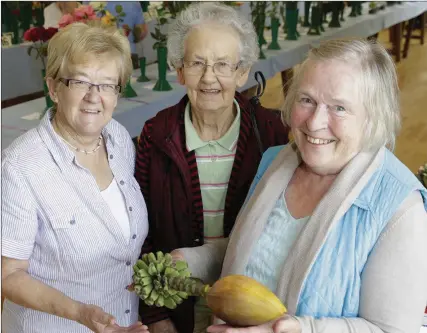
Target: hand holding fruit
160, 281
97, 320
286, 324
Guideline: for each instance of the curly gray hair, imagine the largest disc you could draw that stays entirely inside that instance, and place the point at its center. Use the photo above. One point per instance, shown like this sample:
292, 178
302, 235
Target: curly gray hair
206, 12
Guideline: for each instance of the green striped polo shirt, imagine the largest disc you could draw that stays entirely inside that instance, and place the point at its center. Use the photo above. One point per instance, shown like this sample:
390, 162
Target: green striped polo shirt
215, 160
214, 163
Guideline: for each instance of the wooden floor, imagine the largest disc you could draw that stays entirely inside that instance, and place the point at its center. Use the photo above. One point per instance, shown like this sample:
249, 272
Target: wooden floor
411, 145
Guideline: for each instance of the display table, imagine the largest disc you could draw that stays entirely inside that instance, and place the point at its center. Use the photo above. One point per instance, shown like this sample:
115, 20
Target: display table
133, 113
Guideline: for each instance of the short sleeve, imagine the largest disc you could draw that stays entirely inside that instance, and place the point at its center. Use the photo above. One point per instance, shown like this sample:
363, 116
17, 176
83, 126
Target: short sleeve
18, 215
138, 14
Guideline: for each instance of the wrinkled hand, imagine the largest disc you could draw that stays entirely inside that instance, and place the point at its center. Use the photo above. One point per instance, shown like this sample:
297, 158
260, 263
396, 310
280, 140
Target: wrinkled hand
177, 255
98, 321
286, 324
163, 326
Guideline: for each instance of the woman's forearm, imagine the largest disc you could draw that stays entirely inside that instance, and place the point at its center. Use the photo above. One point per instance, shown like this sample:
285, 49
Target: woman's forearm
205, 262
337, 325
20, 288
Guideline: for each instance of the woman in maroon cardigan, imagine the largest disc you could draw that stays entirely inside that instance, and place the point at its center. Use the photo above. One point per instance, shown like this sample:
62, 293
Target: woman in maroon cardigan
213, 49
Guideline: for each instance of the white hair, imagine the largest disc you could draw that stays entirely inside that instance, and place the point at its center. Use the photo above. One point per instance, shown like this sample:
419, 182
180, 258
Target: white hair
379, 86
208, 12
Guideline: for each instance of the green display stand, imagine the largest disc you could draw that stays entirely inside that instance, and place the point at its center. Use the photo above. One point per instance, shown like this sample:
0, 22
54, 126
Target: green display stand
291, 24
306, 23
275, 24
143, 77
335, 22
162, 84
128, 91
315, 22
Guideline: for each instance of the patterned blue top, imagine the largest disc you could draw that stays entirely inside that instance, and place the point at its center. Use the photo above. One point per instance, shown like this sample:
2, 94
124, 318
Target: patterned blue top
281, 231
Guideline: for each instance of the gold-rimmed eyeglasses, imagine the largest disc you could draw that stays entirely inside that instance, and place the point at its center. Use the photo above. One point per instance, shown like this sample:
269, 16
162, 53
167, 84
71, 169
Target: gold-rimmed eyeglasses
220, 68
83, 86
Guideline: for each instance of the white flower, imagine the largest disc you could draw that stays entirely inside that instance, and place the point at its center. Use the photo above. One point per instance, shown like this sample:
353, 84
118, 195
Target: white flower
98, 5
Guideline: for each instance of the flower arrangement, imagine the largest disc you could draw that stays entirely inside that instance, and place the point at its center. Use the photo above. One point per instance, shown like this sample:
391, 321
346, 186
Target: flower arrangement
82, 13
161, 13
39, 36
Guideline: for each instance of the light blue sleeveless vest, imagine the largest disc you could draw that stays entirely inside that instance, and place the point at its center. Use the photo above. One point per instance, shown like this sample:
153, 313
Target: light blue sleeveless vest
332, 288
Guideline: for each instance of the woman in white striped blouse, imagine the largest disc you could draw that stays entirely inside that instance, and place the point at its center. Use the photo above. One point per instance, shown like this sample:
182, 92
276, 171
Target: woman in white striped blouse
73, 216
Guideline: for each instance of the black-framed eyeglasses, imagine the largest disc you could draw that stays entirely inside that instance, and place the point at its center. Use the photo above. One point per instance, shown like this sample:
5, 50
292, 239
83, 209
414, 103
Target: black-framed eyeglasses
220, 68
84, 86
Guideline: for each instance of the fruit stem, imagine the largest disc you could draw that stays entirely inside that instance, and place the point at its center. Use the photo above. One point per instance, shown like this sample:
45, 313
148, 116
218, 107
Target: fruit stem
191, 286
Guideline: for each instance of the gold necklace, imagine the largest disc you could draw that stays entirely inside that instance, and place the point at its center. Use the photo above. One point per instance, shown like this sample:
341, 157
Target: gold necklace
87, 152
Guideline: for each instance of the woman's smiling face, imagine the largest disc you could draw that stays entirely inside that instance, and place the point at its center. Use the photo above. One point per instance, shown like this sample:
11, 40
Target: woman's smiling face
328, 115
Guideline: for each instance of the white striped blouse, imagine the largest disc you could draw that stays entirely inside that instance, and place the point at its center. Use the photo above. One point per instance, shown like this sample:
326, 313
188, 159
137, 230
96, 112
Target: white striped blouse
54, 216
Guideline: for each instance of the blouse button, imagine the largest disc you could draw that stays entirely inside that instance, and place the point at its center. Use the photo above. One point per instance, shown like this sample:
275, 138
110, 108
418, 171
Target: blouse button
134, 236
72, 222
130, 209
111, 156
122, 182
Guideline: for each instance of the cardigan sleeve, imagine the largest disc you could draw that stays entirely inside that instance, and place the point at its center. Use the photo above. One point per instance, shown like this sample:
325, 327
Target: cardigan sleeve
394, 280
205, 262
148, 314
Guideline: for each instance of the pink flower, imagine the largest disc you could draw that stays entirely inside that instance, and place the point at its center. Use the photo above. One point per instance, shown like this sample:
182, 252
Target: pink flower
66, 20
83, 12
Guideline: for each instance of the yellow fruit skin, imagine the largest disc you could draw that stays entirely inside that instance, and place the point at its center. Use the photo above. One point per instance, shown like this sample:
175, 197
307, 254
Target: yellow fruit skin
242, 301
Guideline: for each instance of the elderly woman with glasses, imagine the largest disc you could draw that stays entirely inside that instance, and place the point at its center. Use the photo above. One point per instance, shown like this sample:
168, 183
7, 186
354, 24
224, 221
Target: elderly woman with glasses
73, 217
334, 224
197, 159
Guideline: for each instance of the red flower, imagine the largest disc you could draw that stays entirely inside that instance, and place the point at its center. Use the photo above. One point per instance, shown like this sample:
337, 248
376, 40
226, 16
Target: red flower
126, 30
34, 34
49, 33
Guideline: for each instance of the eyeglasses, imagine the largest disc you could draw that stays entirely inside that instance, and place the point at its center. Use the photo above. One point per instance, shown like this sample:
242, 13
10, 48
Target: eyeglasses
83, 86
220, 68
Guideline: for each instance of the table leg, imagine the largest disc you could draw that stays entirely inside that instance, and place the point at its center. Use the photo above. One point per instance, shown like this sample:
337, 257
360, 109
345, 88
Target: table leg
397, 40
410, 27
286, 77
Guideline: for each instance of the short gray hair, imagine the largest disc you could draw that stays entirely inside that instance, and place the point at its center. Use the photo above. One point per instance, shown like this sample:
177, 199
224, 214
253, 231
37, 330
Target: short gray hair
379, 90
207, 12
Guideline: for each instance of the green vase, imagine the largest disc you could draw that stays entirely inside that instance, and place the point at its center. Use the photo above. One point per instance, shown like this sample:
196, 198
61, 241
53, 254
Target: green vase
162, 84
353, 12
26, 15
49, 102
129, 91
260, 44
306, 14
359, 8
39, 17
335, 22
275, 24
143, 77
291, 24
315, 22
